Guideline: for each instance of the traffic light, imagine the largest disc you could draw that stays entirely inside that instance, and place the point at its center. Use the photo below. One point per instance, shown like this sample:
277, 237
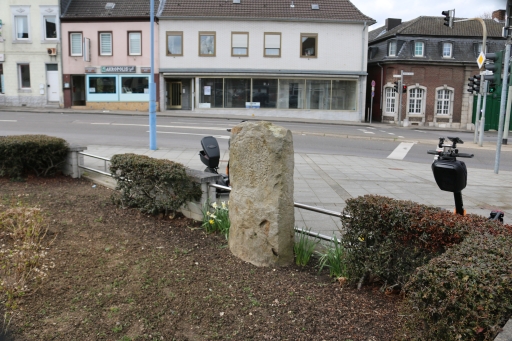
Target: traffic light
494, 63
396, 86
507, 29
448, 17
476, 81
471, 84
404, 89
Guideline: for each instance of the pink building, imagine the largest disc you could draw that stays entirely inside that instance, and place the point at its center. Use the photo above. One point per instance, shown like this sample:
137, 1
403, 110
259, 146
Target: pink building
106, 54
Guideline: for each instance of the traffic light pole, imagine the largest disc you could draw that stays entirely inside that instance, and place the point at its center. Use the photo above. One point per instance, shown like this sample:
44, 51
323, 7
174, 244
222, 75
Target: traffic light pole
477, 116
482, 119
507, 114
502, 107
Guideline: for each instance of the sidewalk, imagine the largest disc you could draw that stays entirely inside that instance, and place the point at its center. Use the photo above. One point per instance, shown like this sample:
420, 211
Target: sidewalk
328, 180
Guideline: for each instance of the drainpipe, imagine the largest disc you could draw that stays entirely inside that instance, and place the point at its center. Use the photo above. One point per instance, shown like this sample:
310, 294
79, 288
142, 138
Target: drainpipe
381, 88
361, 78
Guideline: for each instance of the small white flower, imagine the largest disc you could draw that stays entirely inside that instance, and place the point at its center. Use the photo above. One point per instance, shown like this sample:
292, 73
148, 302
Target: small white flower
214, 205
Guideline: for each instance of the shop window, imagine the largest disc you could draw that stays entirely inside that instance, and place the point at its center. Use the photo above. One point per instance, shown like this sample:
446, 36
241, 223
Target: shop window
291, 93
2, 87
264, 91
134, 85
134, 43
308, 45
207, 44
24, 76
344, 95
239, 44
105, 42
211, 93
75, 44
174, 43
272, 44
237, 92
318, 93
102, 85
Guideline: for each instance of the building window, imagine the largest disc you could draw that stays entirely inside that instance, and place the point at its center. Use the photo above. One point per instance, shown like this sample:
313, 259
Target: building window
418, 49
211, 93
2, 87
135, 85
264, 92
240, 44
447, 50
308, 45
416, 101
50, 27
444, 101
105, 43
75, 44
174, 43
134, 43
272, 47
102, 85
21, 27
392, 49
390, 98
237, 92
207, 44
24, 76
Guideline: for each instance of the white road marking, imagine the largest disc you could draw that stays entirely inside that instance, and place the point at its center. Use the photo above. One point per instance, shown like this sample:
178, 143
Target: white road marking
370, 128
164, 126
391, 133
401, 151
172, 132
102, 123
401, 137
382, 131
420, 131
8, 120
369, 132
361, 130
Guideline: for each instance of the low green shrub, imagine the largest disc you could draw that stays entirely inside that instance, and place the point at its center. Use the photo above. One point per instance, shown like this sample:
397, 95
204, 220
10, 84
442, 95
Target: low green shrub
464, 294
152, 185
40, 154
388, 239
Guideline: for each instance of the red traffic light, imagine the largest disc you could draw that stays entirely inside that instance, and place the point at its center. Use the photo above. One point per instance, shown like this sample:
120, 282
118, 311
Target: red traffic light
404, 89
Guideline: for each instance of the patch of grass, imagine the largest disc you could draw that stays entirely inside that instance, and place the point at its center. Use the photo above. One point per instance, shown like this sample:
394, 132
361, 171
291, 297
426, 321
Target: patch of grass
22, 255
304, 249
334, 259
216, 218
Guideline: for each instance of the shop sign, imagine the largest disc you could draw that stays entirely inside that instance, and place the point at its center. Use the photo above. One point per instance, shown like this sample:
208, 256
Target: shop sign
90, 69
145, 69
118, 69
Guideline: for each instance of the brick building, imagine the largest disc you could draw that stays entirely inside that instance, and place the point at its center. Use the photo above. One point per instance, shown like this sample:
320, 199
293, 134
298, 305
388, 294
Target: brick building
441, 60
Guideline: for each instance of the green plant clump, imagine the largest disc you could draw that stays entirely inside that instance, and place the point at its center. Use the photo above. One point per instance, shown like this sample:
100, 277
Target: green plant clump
216, 218
38, 154
388, 239
335, 259
152, 185
464, 294
304, 249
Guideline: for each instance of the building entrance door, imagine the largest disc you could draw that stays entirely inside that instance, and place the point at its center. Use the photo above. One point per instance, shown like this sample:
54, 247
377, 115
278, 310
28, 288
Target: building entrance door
52, 81
174, 91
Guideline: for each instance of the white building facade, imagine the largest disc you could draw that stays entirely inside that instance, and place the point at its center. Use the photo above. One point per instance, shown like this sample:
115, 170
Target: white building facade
289, 62
30, 54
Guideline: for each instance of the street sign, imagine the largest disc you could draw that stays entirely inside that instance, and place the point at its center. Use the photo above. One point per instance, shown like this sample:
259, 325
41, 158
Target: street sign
408, 73
480, 60
397, 76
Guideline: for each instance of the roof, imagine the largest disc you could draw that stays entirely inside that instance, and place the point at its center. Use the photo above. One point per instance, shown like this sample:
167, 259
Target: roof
329, 10
434, 26
97, 9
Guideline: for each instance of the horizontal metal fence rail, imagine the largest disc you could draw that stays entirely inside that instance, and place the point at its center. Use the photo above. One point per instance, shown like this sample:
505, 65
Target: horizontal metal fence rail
96, 157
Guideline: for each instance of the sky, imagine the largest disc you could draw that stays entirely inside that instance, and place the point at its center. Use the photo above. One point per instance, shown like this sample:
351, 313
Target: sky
406, 10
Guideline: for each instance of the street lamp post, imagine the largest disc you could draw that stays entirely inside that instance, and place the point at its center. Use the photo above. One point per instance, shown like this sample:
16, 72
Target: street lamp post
152, 85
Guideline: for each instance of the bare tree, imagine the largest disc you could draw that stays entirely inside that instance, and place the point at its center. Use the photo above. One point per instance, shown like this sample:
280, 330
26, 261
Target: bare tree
485, 15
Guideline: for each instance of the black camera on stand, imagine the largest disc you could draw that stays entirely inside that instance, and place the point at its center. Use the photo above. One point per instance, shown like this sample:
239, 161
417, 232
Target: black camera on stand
451, 174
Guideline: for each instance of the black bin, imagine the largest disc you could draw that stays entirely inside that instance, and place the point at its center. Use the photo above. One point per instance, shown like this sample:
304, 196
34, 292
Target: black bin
450, 175
210, 154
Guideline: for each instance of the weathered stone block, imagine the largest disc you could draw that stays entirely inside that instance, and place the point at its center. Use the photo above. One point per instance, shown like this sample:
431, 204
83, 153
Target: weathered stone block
261, 200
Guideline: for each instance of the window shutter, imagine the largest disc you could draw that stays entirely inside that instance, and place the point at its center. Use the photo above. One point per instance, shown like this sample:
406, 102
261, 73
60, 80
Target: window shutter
105, 44
76, 44
135, 47
272, 41
240, 40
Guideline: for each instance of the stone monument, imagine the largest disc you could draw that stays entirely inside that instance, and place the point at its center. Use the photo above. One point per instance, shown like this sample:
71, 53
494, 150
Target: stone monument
261, 208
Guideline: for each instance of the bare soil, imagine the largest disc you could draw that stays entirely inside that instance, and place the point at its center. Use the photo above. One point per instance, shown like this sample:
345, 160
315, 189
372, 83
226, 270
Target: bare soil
122, 275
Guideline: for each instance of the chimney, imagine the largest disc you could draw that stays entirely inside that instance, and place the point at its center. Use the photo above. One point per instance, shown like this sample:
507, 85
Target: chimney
499, 15
392, 23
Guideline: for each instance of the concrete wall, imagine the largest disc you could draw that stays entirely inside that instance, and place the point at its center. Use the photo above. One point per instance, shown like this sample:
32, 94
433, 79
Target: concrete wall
32, 51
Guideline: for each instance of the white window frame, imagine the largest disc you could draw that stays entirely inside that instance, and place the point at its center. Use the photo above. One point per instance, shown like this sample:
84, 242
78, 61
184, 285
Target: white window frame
390, 97
416, 45
419, 102
272, 44
80, 45
447, 50
45, 12
21, 11
392, 48
101, 36
447, 101
238, 42
130, 46
20, 80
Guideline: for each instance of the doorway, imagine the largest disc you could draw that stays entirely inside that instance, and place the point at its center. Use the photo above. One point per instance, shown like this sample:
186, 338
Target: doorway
78, 90
52, 82
174, 95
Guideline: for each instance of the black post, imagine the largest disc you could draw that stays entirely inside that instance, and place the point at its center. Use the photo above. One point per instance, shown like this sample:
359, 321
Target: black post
459, 207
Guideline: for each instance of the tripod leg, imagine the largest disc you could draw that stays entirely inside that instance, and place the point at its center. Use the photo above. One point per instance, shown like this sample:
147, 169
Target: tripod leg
459, 207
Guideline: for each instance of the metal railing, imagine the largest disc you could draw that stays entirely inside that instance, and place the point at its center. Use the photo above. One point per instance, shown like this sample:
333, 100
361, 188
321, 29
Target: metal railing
228, 189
